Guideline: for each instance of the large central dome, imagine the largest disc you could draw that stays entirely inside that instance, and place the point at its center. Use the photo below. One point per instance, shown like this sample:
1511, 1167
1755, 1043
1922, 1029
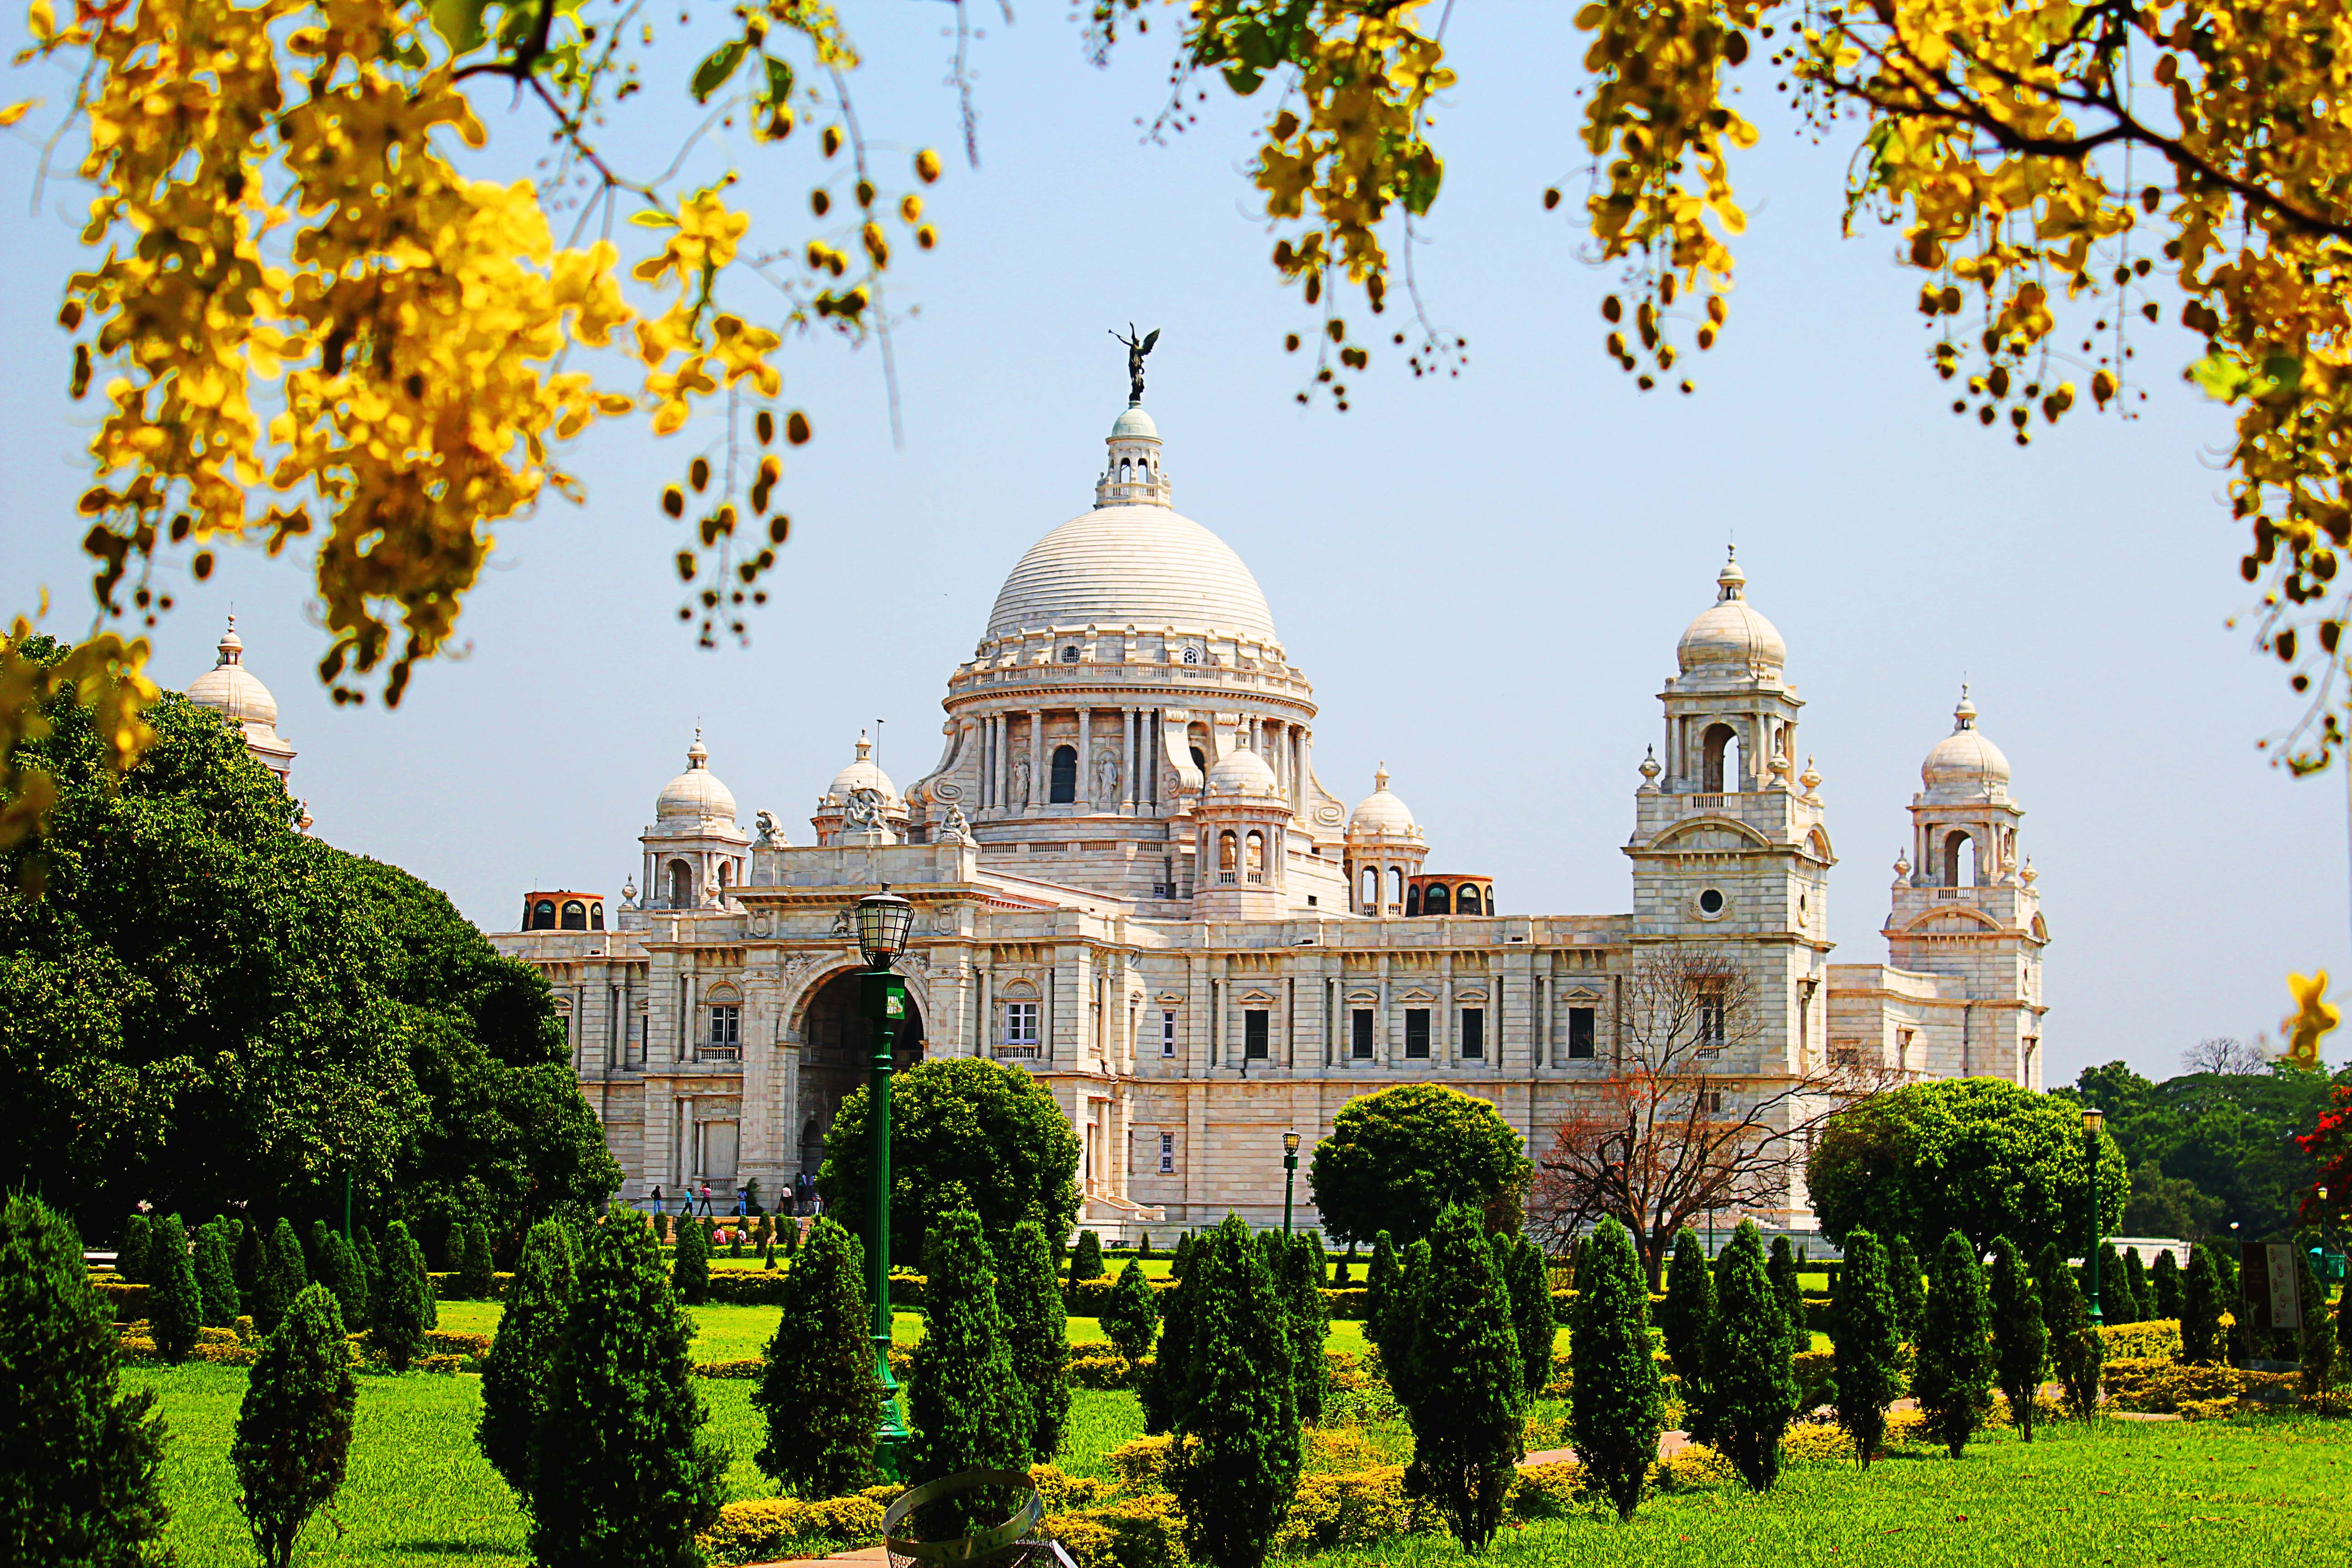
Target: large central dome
1133, 561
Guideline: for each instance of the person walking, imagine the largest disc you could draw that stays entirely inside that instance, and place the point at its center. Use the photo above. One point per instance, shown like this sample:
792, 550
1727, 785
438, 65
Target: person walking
657, 1197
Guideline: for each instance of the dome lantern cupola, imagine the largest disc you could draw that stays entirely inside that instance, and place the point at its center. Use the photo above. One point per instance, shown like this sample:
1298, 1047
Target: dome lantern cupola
1964, 762
1385, 850
1132, 476
1730, 639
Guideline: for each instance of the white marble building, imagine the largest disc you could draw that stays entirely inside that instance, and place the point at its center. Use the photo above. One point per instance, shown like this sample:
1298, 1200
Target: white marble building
1131, 881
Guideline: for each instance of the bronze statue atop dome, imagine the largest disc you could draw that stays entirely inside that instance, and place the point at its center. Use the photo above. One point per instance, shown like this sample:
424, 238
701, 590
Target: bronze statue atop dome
1135, 352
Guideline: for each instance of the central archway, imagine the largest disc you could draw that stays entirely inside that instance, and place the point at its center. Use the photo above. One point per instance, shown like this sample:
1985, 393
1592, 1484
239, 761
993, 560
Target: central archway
837, 1053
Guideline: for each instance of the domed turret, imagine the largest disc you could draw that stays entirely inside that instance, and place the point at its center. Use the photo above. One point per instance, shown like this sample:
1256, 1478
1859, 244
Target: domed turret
1730, 636
1385, 850
237, 695
1964, 762
1242, 772
1381, 814
695, 795
864, 774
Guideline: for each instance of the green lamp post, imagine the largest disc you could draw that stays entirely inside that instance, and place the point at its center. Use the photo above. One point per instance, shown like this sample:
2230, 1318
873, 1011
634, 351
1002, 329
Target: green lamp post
884, 918
1290, 1173
2092, 1120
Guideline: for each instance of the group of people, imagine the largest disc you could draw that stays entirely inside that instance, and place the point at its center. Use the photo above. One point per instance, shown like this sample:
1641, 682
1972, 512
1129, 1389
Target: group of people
803, 1199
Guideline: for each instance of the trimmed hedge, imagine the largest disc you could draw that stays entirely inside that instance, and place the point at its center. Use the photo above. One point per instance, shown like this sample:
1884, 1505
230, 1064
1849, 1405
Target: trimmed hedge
449, 1286
129, 1302
2193, 1393
763, 1529
2157, 1339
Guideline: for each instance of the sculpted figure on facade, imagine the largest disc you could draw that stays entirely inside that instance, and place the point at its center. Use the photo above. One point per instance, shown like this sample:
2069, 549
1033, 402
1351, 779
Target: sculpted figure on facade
1106, 776
953, 828
1019, 793
772, 835
863, 814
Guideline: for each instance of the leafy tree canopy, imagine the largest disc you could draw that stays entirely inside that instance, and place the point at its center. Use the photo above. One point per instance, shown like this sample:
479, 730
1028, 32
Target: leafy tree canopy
206, 1005
1979, 1156
1396, 1159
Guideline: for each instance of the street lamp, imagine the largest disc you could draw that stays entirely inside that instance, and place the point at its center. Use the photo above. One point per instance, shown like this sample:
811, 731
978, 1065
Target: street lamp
883, 919
1290, 1173
2092, 1120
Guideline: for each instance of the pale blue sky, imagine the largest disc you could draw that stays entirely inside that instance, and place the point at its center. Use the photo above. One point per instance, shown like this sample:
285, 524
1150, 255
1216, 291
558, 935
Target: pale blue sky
1484, 576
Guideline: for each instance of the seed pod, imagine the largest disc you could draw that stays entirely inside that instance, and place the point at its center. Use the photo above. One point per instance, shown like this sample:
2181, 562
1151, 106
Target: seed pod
820, 201
910, 208
764, 424
926, 237
673, 501
796, 427
697, 474
927, 165
832, 140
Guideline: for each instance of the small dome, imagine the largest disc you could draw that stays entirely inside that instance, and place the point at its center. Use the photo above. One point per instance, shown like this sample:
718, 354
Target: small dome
1731, 638
232, 691
1964, 762
1242, 772
696, 795
1134, 425
863, 773
1382, 812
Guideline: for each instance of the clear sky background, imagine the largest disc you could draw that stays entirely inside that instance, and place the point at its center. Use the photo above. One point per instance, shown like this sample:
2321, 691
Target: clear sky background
1485, 576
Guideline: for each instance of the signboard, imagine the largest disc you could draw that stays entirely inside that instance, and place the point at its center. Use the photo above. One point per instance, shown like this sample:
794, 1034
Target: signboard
2267, 1283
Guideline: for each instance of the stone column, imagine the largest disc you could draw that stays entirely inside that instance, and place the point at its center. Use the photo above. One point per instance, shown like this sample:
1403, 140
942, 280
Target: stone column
1083, 796
1039, 777
1127, 761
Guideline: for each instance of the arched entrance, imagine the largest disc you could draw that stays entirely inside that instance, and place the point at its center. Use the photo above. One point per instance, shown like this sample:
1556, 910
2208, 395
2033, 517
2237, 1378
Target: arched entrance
837, 1054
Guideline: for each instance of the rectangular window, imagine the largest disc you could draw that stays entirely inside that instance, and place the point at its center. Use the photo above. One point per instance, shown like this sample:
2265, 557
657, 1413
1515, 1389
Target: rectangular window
1254, 1034
726, 1031
1168, 1153
1474, 1034
1021, 1029
1710, 1021
1580, 1034
1360, 1034
1168, 1033
1416, 1034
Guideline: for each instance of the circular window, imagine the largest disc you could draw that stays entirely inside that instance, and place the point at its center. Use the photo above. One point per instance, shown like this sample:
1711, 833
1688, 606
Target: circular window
1711, 902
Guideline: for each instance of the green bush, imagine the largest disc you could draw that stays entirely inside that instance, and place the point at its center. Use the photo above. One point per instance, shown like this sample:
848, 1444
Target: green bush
689, 1268
2164, 1281
346, 1276
622, 1473
1532, 1320
1131, 1316
1904, 1275
473, 1267
1037, 1333
1086, 1258
175, 1304
1396, 1157
1689, 1304
1304, 1300
216, 1272
399, 1310
818, 1392
2135, 1281
1234, 1423
1781, 1269
1619, 1409
764, 1288
2075, 1346
278, 1276
294, 1429
1953, 1380
1748, 1392
968, 1410
2203, 1303
2020, 1337
1866, 1343
521, 1362
131, 1252
1465, 1395
79, 1460
1381, 1283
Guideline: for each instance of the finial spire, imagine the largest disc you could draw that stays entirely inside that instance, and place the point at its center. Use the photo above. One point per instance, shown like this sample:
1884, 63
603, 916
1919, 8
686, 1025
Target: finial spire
1731, 579
1381, 777
864, 747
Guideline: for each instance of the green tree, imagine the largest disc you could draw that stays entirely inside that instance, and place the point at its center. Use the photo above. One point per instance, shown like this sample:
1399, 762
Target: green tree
2136, 1284
1684, 1315
968, 1409
1781, 1269
1086, 1258
1529, 1283
1618, 1410
1161, 1387
2207, 1148
1902, 1274
1300, 1283
474, 1266
294, 1429
81, 1460
1234, 1456
1748, 1390
817, 1391
1954, 1381
1983, 1157
1395, 1158
216, 1273
2075, 1347
131, 1252
2020, 1338
2203, 1303
1382, 1296
370, 1263
175, 1303
690, 1264
282, 1276
1465, 1398
2164, 1281
520, 1365
2316, 1344
988, 1128
2118, 1302
768, 1255
399, 1310
1036, 1333
346, 1276
1131, 1317
1867, 1345
2343, 1333
622, 1473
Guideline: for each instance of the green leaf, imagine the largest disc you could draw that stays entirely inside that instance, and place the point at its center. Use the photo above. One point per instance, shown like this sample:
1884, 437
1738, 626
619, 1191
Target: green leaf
2284, 369
460, 23
2220, 376
712, 73
653, 217
1243, 80
780, 79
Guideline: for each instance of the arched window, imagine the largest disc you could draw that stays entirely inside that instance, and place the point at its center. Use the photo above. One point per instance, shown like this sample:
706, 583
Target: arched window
575, 915
1435, 900
1064, 788
1070, 654
726, 872
681, 884
596, 915
1396, 885
1960, 861
1256, 856
1413, 900
1368, 885
542, 916
1228, 854
1467, 902
1719, 750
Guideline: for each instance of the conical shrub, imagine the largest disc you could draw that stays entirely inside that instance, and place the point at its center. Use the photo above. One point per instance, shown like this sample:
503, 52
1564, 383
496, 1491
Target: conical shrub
1532, 1318
1381, 1292
2020, 1338
968, 1409
1131, 1317
1867, 1349
216, 1273
516, 1373
818, 1391
1036, 1334
346, 1277
130, 1251
2164, 1281
2201, 1307
81, 1460
1618, 1410
474, 1265
2135, 1281
1233, 1465
1748, 1389
1781, 1268
2075, 1344
175, 1303
1954, 1383
1905, 1276
2117, 1305
691, 1264
622, 1473
281, 1277
1465, 1397
1684, 1315
1086, 1258
1300, 1282
294, 1429
398, 1311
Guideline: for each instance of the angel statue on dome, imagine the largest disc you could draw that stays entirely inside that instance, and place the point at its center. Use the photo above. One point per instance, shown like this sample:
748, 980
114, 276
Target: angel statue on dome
1135, 351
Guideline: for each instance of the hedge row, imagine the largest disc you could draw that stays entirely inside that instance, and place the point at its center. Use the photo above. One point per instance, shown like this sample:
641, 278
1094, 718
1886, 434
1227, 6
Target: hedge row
2165, 1387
